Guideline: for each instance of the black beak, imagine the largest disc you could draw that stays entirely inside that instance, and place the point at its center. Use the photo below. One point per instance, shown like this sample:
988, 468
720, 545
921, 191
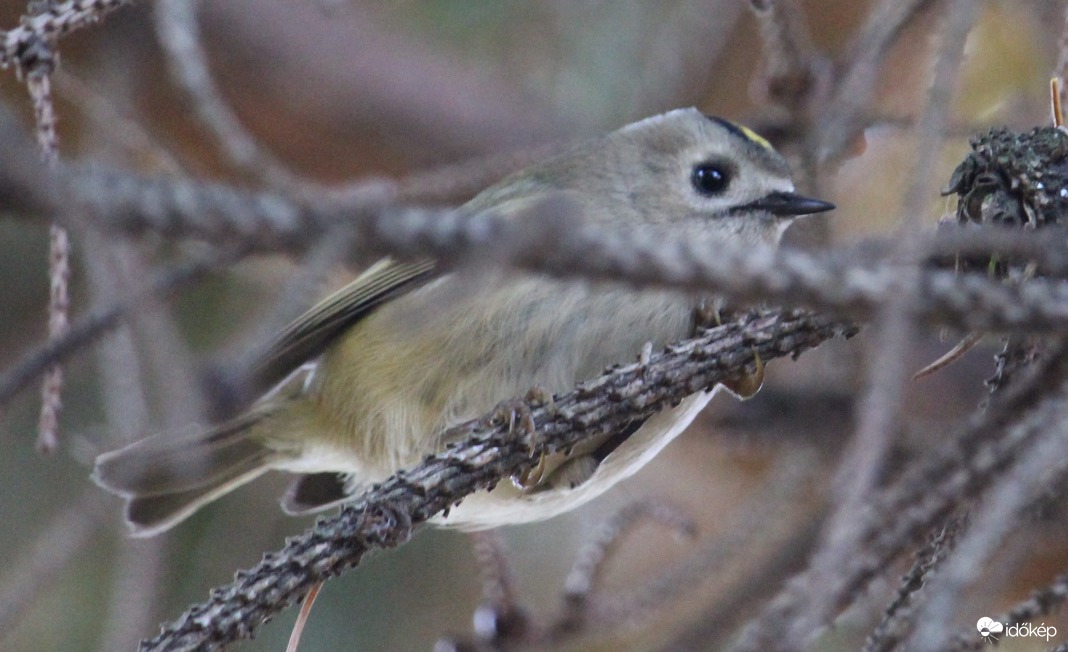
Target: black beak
789, 204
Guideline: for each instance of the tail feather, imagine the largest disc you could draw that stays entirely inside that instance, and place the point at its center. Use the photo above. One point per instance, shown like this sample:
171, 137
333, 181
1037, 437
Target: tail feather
166, 464
315, 492
148, 516
165, 479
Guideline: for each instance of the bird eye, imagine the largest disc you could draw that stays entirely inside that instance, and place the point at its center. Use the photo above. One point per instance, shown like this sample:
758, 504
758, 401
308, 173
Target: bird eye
710, 178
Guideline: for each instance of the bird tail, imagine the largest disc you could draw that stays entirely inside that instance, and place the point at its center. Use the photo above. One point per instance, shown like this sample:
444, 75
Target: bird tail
165, 478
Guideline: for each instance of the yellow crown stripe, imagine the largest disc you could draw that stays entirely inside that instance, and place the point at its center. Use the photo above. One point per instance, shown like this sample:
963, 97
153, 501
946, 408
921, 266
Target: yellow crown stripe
755, 137
742, 132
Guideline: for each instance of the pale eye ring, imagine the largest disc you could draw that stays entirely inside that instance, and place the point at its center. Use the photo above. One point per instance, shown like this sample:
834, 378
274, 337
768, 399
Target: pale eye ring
711, 178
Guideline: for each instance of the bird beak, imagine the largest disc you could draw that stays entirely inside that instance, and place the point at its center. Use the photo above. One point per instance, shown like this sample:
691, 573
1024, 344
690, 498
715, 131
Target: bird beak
789, 204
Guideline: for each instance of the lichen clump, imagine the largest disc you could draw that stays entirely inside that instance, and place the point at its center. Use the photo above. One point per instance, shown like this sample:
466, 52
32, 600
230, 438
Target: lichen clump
1013, 179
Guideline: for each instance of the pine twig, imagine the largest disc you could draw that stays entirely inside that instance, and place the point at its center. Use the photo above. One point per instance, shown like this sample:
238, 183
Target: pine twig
384, 517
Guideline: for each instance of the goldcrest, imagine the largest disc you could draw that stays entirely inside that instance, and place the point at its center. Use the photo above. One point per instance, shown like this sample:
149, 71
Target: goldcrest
403, 352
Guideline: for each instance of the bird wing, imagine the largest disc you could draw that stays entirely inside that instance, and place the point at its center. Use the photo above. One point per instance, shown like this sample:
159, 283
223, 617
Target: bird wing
311, 333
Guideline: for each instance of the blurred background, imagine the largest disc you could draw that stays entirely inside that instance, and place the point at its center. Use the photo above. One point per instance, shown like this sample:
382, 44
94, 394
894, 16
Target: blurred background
341, 90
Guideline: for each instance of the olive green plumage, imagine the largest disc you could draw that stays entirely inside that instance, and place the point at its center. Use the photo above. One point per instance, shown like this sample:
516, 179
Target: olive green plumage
403, 352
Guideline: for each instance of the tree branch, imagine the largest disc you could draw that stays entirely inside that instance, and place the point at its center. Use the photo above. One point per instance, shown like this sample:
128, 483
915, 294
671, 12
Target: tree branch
922, 498
54, 21
90, 327
385, 516
553, 239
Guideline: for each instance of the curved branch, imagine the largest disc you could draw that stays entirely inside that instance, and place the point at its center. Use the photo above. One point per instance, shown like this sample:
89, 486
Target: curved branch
385, 516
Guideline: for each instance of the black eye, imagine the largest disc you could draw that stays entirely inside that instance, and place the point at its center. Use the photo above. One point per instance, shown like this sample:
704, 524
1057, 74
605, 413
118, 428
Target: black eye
710, 179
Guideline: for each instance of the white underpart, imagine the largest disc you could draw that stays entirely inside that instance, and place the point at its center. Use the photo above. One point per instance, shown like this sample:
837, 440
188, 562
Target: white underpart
506, 504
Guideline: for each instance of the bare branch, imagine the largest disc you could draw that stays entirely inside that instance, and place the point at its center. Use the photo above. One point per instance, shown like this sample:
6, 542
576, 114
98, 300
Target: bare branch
37, 64
115, 122
880, 407
347, 66
854, 284
178, 33
1018, 485
925, 495
99, 321
58, 327
901, 612
846, 113
137, 572
500, 616
54, 21
772, 523
1041, 602
385, 516
585, 572
793, 72
556, 242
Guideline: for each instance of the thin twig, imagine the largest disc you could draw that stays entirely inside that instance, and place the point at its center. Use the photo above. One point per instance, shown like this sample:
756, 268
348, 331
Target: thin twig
499, 588
87, 329
1041, 602
795, 82
114, 123
302, 617
881, 404
924, 496
721, 582
179, 35
792, 71
500, 617
137, 574
846, 113
58, 329
37, 64
56, 20
1002, 505
901, 612
586, 571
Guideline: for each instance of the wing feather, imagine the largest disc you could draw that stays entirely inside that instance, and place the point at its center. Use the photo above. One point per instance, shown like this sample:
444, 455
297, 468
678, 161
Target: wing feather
311, 333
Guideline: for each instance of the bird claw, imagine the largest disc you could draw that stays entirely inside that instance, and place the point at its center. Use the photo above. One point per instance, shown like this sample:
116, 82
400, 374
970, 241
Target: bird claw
747, 385
707, 313
517, 414
538, 396
530, 478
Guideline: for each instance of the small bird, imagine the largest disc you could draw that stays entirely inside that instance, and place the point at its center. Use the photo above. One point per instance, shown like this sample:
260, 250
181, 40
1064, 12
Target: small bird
406, 351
